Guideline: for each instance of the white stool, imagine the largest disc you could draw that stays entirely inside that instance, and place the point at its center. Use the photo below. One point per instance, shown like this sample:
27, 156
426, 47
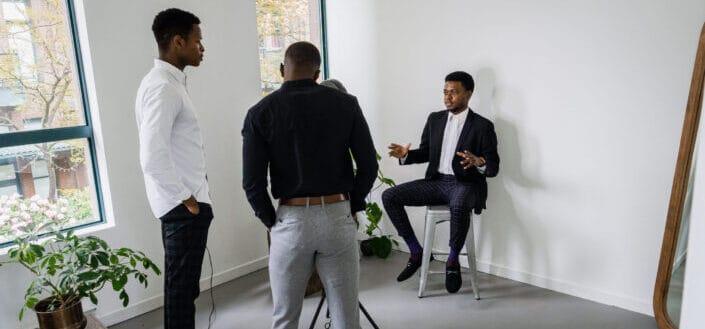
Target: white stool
436, 215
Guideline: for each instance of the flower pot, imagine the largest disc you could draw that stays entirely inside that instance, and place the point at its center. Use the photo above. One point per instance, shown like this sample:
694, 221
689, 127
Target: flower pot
70, 317
366, 247
380, 246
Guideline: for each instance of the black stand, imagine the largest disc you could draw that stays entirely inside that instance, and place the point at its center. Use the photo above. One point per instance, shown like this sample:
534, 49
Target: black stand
320, 305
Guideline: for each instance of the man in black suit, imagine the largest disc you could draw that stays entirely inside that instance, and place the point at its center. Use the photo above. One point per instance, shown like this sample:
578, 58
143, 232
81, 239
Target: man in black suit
460, 147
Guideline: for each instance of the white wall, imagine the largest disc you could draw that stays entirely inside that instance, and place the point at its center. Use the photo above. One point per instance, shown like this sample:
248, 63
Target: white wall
223, 88
588, 101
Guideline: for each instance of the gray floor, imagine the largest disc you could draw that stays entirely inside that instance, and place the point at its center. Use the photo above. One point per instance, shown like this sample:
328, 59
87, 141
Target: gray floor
246, 303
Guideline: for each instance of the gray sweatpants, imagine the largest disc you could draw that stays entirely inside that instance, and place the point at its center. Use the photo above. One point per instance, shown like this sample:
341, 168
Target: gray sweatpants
320, 235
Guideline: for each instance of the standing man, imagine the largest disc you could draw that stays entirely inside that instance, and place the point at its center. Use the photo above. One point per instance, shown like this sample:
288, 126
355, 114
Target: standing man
303, 133
173, 163
460, 147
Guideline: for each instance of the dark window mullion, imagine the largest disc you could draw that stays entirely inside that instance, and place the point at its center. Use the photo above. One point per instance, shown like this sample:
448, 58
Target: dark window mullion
324, 38
71, 14
44, 135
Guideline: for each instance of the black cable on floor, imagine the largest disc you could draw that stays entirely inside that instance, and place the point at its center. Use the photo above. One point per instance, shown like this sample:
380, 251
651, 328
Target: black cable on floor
212, 315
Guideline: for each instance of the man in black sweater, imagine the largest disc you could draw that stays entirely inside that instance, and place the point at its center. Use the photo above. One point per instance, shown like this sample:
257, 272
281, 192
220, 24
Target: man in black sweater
304, 133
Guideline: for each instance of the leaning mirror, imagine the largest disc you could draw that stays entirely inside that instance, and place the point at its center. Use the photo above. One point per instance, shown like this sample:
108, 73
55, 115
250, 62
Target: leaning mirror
668, 290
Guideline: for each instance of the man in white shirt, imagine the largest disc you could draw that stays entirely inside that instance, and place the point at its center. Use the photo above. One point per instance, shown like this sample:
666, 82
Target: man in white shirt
173, 162
460, 147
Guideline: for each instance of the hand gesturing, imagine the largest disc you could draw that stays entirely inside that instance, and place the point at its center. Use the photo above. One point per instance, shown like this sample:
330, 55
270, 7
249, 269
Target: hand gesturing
470, 160
398, 151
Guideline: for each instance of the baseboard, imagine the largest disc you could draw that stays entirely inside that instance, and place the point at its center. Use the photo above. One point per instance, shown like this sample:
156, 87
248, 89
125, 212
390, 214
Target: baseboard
157, 301
568, 288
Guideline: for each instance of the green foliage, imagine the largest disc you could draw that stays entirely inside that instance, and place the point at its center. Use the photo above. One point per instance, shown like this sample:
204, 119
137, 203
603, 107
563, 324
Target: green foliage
79, 202
68, 267
374, 216
381, 243
279, 24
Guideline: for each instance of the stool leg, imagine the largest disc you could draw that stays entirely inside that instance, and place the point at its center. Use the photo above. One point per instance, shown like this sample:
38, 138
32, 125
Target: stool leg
470, 246
429, 233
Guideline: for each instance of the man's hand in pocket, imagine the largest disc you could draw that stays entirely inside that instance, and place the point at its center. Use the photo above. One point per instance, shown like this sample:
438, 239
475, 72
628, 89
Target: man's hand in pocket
192, 205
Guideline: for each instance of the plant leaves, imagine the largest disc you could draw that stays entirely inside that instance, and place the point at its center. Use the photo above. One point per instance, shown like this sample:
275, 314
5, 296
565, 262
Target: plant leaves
387, 181
93, 298
31, 301
103, 258
94, 262
37, 249
125, 298
381, 246
119, 282
88, 276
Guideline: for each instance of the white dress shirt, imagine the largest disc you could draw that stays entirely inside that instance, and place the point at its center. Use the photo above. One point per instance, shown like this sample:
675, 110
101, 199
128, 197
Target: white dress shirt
451, 135
171, 146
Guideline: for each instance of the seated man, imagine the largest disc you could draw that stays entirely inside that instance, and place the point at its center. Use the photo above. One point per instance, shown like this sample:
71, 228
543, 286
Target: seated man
461, 149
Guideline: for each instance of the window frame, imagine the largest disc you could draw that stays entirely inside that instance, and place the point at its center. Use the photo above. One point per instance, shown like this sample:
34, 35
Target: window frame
324, 37
67, 133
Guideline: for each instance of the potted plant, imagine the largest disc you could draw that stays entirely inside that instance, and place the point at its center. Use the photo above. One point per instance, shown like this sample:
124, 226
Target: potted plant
377, 243
65, 267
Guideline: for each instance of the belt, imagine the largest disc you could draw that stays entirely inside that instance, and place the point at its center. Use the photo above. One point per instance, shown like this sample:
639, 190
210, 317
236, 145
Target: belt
314, 200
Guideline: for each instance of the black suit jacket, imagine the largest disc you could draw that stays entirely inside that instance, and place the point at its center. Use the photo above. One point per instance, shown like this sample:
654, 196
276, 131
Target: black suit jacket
478, 137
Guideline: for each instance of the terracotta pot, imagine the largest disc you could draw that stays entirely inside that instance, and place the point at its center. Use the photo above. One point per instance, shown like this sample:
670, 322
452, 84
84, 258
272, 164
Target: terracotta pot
66, 318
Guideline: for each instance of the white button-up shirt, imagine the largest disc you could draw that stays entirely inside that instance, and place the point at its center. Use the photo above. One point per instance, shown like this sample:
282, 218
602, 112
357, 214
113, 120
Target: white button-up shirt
171, 146
451, 135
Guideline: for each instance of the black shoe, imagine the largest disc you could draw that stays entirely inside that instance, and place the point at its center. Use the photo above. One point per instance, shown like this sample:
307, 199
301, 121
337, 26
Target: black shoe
453, 278
411, 266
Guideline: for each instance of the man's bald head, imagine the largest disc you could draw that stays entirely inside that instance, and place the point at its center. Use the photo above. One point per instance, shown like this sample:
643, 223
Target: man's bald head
302, 60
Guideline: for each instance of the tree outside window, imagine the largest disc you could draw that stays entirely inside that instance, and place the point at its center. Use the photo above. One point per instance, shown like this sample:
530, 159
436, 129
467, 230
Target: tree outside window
279, 24
41, 101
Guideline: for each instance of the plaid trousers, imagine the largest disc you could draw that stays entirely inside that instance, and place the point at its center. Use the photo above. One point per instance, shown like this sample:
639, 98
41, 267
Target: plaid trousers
184, 236
445, 190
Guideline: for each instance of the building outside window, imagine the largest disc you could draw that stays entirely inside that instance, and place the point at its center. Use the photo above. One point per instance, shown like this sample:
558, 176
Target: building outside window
281, 23
47, 166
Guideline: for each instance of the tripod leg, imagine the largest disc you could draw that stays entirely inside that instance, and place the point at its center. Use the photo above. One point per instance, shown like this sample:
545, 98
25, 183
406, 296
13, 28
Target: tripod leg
367, 315
318, 310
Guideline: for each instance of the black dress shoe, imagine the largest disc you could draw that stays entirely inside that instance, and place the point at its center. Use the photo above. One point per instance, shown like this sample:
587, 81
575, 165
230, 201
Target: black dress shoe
453, 278
411, 266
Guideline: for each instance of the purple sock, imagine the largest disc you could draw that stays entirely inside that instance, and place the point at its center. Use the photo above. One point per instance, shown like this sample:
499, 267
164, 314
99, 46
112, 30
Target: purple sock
414, 247
453, 257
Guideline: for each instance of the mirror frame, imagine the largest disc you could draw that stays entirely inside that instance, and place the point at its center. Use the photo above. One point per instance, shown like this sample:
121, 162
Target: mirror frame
680, 186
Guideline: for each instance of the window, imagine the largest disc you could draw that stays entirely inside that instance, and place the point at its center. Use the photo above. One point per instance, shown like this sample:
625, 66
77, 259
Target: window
281, 23
47, 163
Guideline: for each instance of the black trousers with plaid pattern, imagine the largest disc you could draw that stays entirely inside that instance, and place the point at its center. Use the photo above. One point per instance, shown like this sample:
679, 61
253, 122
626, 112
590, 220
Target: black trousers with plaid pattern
184, 236
445, 190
